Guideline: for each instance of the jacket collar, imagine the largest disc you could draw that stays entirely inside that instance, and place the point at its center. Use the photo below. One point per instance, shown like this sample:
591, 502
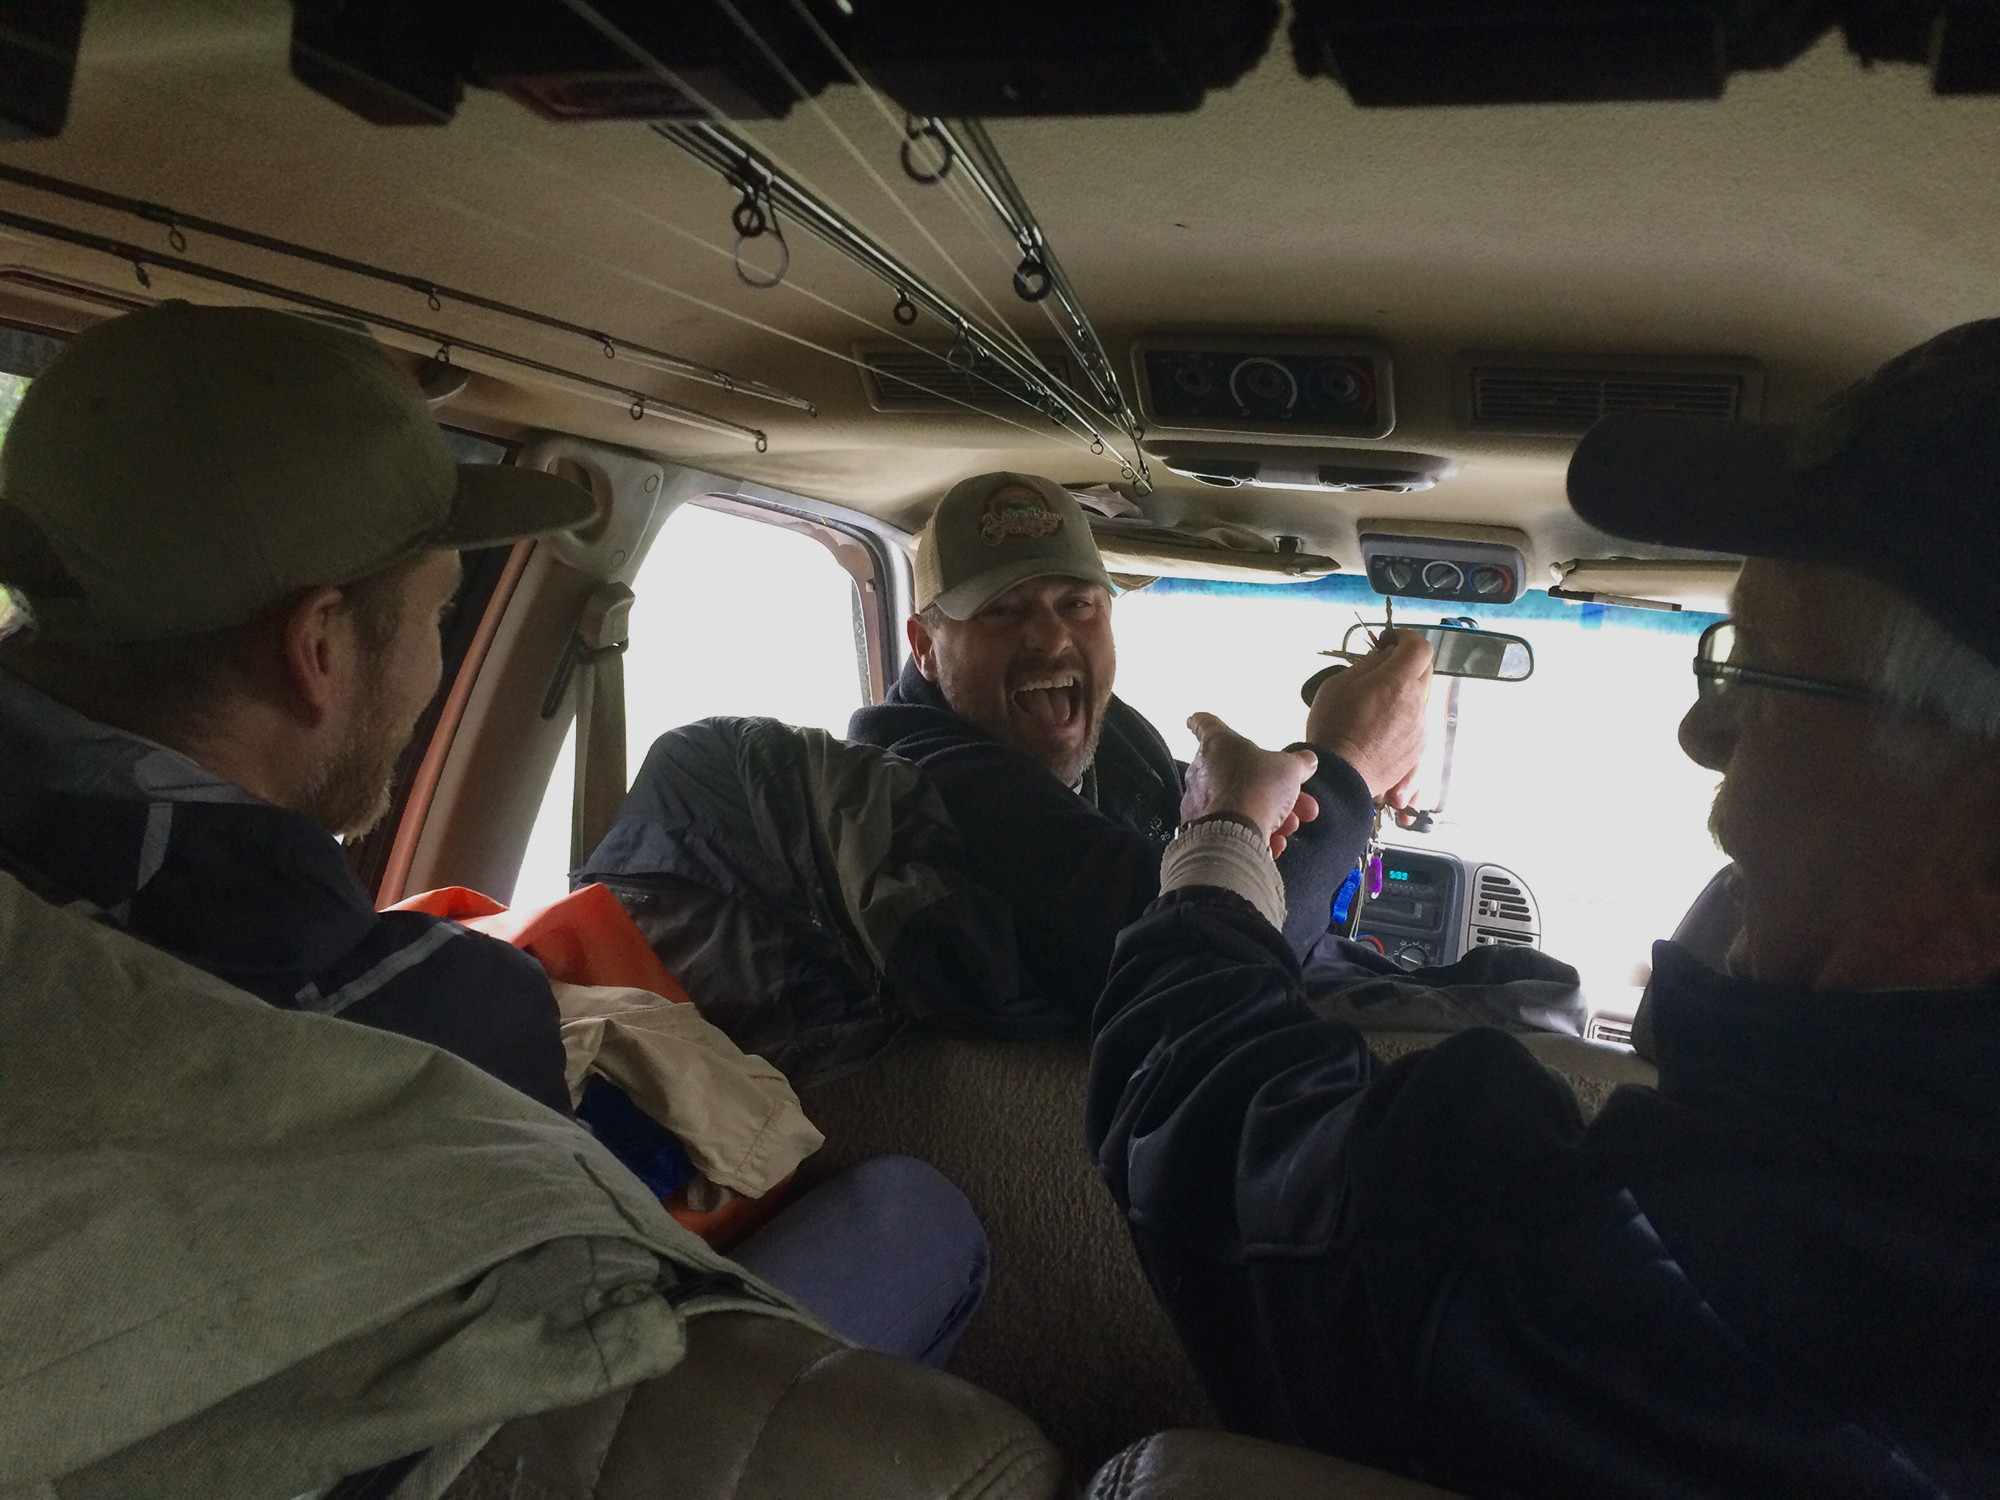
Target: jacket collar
119, 827
49, 746
1903, 1085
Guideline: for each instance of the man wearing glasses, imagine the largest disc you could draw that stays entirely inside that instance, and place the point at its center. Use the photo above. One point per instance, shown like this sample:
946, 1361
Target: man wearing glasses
1779, 1271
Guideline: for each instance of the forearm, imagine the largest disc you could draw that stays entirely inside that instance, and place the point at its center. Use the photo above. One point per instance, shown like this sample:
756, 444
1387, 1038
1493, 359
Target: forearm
1317, 858
1202, 1011
1318, 853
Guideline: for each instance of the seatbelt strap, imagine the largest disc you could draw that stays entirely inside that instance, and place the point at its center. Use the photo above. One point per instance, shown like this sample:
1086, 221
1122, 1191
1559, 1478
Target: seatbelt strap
595, 657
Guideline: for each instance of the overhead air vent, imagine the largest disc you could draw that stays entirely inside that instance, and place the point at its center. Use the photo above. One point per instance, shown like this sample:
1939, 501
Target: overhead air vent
1254, 384
1566, 393
1503, 912
935, 378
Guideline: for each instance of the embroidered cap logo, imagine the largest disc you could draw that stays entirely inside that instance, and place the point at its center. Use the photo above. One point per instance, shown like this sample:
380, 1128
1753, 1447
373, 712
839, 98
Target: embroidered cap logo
1017, 510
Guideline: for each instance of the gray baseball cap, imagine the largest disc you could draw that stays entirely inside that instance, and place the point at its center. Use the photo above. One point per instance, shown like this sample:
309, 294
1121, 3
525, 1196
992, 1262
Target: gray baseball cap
181, 469
993, 531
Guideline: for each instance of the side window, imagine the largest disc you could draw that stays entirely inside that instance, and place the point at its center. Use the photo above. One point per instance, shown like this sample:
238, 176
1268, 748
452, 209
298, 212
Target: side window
730, 616
24, 354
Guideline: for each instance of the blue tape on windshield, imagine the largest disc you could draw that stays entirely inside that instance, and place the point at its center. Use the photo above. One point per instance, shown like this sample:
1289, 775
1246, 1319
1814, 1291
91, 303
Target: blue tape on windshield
1353, 591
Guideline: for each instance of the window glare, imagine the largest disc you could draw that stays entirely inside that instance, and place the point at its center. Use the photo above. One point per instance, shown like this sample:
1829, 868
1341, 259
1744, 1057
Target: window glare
1573, 779
729, 616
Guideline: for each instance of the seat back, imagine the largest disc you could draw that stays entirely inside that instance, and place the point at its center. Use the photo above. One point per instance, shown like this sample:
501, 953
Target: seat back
1227, 1466
1071, 1332
760, 1410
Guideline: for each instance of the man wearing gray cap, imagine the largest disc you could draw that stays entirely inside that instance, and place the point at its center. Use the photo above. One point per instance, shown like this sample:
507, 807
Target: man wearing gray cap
1779, 1271
1066, 796
234, 532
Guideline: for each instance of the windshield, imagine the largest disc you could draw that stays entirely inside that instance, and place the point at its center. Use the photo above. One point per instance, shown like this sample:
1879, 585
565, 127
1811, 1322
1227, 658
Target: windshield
1572, 779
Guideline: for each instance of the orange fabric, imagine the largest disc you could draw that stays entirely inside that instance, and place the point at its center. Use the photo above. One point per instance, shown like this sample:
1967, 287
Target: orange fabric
588, 938
585, 938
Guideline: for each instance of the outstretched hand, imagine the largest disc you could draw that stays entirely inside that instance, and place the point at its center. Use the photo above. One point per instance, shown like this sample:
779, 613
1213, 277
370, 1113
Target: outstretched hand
1234, 775
1372, 715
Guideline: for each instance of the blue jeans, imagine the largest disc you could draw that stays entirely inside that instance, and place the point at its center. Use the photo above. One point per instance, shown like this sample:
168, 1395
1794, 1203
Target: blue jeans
888, 1254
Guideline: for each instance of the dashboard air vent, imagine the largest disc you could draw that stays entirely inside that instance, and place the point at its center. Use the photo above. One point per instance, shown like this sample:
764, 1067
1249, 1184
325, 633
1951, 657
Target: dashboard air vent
1565, 394
1502, 898
1608, 1029
1487, 937
902, 378
1502, 911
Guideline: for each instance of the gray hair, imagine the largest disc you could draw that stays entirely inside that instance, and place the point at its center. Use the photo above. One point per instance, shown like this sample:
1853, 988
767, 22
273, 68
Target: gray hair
1930, 679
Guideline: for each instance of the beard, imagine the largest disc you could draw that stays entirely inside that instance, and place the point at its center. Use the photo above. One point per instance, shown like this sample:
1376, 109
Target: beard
350, 790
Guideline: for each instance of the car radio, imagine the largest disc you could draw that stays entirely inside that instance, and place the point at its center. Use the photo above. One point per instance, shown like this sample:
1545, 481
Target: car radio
1434, 908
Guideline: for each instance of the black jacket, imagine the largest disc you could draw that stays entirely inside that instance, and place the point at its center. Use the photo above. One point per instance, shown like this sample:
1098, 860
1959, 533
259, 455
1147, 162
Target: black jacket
1778, 1273
812, 897
1077, 869
140, 837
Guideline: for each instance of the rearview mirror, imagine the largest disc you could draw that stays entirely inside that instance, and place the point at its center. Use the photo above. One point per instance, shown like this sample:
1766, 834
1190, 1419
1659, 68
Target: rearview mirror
1457, 651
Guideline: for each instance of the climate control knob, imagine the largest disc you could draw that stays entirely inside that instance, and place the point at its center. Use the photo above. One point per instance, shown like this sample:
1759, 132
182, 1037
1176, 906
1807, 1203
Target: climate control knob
1442, 577
1490, 581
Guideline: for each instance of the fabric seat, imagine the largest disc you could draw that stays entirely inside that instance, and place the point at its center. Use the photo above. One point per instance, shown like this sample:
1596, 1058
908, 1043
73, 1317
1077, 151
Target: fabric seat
1004, 1121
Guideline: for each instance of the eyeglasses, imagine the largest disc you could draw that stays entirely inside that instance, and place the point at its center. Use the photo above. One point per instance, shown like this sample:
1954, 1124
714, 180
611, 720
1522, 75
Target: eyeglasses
1714, 672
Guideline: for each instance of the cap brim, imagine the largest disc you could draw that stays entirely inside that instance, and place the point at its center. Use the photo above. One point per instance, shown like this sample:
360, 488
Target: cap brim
970, 597
1683, 482
500, 503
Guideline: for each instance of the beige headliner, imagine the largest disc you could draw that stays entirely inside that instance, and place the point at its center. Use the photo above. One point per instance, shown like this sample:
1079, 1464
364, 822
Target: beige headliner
1816, 219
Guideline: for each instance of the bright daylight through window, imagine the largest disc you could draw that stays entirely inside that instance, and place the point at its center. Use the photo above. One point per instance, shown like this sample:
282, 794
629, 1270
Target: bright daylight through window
730, 616
1572, 779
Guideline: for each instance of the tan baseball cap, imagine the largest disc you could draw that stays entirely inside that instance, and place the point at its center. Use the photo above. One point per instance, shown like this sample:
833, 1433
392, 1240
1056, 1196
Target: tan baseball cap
181, 469
993, 531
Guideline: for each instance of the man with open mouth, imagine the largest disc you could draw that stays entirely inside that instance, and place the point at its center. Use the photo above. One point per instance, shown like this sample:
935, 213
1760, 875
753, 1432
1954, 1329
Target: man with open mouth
1066, 796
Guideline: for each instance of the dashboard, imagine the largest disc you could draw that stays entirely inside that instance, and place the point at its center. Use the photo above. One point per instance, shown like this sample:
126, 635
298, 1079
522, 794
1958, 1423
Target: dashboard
1435, 908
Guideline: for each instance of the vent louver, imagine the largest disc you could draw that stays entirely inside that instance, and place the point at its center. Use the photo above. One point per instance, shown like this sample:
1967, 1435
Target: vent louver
903, 379
1502, 898
1529, 393
1608, 1029
1502, 911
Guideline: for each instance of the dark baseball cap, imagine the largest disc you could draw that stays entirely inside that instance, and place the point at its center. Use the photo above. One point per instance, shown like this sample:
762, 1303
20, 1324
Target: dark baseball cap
181, 469
1897, 477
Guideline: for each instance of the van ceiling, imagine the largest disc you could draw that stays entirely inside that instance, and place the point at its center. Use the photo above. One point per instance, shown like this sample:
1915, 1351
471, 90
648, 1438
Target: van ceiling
1814, 220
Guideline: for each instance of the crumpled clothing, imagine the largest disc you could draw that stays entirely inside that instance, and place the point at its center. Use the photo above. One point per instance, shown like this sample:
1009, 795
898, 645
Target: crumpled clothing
735, 1114
250, 1250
